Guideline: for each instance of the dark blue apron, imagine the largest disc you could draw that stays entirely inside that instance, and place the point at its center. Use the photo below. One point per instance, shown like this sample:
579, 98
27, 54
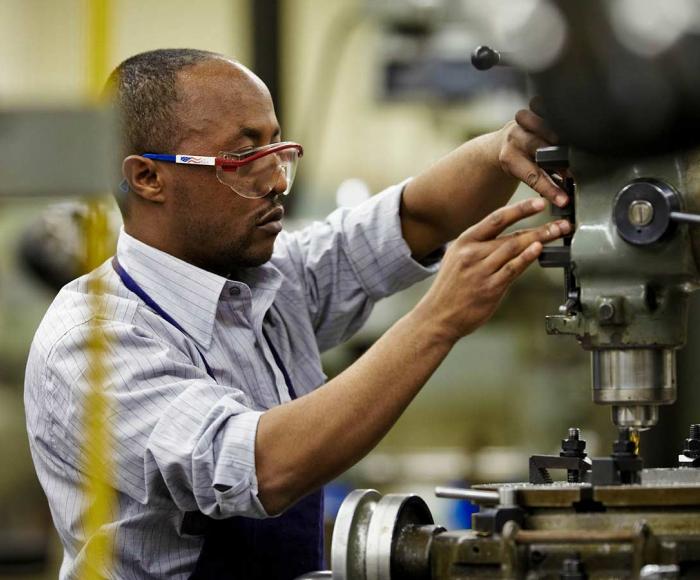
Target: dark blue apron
239, 548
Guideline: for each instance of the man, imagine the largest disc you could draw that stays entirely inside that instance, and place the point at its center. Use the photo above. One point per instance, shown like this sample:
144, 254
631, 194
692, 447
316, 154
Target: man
216, 317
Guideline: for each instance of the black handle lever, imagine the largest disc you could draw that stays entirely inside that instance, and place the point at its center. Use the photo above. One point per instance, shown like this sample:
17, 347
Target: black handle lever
555, 257
683, 217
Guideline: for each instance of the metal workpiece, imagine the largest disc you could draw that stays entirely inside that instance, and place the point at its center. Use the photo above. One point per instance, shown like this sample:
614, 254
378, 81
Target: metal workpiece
659, 572
670, 475
623, 466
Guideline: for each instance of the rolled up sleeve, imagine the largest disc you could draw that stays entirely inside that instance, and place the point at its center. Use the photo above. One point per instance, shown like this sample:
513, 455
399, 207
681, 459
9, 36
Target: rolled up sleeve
351, 260
176, 434
376, 249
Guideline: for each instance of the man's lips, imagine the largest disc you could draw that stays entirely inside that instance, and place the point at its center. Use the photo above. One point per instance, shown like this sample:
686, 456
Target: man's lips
272, 220
274, 215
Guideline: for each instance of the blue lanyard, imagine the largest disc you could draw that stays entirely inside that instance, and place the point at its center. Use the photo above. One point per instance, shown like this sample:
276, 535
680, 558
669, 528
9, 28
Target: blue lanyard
132, 285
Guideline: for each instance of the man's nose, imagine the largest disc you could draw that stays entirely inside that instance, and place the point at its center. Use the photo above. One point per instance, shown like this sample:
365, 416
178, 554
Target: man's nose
282, 182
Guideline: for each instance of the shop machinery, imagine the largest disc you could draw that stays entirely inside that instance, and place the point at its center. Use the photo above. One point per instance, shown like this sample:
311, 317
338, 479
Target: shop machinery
630, 124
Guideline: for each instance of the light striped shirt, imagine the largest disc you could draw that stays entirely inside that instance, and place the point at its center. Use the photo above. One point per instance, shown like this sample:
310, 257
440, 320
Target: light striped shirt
180, 437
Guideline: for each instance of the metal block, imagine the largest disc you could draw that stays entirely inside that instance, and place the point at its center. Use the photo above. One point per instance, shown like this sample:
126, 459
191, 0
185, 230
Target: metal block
671, 476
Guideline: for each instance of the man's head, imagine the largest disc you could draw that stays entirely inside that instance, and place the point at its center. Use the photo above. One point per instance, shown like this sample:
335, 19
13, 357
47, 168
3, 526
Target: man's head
192, 102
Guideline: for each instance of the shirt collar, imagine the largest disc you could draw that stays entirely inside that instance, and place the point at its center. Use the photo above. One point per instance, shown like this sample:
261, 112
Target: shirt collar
187, 293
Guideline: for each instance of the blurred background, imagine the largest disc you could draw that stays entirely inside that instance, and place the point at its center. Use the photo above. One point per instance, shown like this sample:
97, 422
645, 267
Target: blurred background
375, 90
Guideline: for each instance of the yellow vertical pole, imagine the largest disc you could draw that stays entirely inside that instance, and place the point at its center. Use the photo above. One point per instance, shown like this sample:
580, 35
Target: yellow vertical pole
97, 447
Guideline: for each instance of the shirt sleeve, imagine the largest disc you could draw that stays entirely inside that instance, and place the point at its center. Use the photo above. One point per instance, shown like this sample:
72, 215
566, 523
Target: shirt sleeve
175, 433
353, 259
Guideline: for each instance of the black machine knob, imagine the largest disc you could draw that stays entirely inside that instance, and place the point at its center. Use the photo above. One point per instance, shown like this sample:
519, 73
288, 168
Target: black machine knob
485, 57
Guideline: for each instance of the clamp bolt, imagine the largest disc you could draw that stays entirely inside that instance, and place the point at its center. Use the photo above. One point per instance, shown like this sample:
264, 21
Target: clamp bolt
640, 212
606, 311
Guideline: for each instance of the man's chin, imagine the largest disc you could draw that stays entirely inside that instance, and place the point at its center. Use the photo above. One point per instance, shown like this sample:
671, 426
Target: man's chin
253, 259
254, 262
252, 254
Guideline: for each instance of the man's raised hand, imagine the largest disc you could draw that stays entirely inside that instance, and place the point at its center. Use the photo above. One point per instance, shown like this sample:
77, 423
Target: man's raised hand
480, 265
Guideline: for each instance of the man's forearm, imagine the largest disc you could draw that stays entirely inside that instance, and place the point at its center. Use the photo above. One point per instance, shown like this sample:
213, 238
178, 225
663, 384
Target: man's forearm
303, 444
454, 193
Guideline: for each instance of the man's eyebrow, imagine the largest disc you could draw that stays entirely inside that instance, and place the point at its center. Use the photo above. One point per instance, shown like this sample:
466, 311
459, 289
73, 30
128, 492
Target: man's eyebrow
255, 134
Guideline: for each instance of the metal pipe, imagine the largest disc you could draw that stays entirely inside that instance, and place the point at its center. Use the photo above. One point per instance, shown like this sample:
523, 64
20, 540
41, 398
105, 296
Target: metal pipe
688, 218
476, 495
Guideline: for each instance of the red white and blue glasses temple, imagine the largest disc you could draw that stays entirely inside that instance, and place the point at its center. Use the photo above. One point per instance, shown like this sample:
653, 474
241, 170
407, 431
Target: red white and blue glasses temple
181, 159
231, 161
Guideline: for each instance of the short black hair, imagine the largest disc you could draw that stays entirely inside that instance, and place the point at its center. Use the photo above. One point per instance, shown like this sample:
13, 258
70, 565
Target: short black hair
145, 90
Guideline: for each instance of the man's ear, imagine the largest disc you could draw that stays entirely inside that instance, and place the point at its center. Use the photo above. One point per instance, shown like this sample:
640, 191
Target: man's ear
144, 178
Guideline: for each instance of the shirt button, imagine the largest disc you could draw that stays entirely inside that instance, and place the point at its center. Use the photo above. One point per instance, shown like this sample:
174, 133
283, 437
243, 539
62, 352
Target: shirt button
234, 291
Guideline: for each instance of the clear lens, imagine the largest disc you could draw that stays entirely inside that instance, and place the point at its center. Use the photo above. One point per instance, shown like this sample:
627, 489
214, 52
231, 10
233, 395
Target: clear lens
260, 176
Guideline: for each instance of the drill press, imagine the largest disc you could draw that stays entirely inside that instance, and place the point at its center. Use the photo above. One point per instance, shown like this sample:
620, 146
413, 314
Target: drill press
629, 268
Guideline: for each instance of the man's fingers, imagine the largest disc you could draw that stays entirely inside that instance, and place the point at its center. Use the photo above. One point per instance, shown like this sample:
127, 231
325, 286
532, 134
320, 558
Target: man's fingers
528, 171
533, 123
495, 223
517, 158
516, 266
513, 245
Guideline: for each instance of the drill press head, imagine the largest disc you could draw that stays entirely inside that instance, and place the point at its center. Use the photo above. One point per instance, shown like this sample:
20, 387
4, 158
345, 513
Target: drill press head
630, 119
630, 270
627, 108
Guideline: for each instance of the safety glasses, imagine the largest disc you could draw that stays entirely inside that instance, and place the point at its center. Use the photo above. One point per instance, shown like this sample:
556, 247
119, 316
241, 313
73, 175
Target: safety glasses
254, 173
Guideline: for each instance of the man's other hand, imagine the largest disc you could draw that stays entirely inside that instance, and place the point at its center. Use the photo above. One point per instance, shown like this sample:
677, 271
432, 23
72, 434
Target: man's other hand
520, 139
480, 266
